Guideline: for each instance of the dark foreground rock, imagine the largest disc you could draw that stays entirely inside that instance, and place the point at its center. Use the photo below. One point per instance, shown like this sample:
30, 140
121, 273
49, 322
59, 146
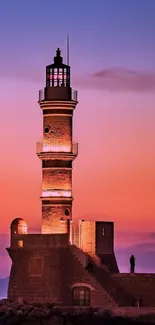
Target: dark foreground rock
48, 314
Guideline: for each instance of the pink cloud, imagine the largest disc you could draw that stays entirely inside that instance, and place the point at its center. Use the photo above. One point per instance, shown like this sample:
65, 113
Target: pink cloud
112, 79
118, 79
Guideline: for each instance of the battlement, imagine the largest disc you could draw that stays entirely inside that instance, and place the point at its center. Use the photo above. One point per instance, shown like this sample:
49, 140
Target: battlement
39, 241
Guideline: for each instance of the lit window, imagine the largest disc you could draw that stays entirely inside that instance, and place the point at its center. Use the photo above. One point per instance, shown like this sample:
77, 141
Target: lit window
20, 243
103, 231
81, 296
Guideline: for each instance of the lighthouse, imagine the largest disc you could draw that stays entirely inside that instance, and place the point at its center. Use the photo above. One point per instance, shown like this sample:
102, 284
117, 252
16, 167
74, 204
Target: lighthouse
57, 150
49, 266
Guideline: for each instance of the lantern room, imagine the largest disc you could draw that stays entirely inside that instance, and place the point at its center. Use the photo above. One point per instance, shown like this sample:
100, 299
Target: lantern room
58, 74
58, 86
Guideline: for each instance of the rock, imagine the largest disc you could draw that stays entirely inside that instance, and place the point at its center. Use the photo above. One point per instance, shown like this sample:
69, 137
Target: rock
19, 312
37, 313
9, 312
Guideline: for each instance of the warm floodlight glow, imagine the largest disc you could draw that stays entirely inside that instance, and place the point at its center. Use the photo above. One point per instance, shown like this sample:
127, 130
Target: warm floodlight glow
56, 148
47, 147
19, 226
56, 193
22, 230
20, 243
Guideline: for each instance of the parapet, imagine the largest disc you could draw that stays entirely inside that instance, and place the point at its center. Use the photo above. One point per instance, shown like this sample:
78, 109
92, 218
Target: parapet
39, 241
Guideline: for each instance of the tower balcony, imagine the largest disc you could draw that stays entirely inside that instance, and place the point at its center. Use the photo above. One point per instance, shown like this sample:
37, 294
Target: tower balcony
58, 94
51, 151
57, 193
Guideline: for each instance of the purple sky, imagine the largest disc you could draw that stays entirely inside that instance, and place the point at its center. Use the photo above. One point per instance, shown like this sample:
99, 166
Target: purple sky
112, 51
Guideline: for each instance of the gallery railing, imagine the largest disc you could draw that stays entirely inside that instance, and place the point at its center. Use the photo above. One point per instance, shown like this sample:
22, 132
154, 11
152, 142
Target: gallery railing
45, 147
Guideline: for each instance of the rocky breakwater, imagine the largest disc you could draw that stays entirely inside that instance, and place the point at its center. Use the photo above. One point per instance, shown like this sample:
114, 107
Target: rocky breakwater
15, 313
49, 314
42, 314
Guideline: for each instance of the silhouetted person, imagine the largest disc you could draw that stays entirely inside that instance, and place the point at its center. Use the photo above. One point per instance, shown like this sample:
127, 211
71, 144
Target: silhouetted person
132, 264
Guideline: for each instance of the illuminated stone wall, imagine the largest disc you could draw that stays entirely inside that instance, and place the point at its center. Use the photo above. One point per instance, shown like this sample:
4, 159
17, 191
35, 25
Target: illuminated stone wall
40, 240
51, 216
42, 278
48, 276
60, 131
51, 270
56, 179
97, 237
87, 236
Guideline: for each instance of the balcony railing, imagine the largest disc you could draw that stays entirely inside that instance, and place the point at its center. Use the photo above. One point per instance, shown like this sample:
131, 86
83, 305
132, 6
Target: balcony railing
45, 147
41, 95
57, 193
74, 94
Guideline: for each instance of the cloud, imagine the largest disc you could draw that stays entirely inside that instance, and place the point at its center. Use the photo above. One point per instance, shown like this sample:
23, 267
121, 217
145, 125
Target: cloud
139, 248
26, 74
117, 79
125, 240
144, 254
112, 79
142, 245
151, 235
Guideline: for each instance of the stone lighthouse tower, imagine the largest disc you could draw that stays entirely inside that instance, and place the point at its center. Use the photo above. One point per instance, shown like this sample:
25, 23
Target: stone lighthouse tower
57, 150
48, 267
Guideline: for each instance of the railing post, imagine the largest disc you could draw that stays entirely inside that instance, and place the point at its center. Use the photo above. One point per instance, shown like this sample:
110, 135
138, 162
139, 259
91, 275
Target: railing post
41, 95
74, 95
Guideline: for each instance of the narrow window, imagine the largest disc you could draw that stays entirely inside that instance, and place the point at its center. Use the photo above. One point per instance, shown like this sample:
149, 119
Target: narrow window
81, 296
20, 243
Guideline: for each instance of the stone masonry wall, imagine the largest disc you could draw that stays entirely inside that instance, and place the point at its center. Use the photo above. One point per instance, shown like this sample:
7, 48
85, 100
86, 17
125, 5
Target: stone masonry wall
44, 273
57, 178
51, 216
40, 241
141, 284
36, 275
60, 130
87, 236
47, 275
75, 273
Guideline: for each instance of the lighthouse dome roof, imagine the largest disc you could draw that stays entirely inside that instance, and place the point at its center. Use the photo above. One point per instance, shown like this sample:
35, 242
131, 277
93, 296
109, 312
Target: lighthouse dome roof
18, 222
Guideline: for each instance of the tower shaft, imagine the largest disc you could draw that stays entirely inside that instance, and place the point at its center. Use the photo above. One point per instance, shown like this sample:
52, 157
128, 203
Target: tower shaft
57, 150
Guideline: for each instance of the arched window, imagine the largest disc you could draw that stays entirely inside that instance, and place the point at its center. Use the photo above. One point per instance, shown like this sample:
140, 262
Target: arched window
81, 296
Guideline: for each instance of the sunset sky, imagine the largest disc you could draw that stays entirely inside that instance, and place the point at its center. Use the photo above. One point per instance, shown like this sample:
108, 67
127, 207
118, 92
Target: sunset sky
112, 58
